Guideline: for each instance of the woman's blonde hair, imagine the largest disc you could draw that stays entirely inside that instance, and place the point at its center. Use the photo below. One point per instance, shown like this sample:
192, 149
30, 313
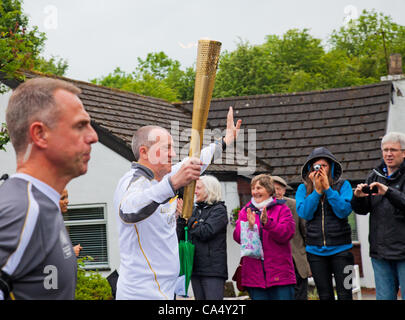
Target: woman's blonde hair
212, 189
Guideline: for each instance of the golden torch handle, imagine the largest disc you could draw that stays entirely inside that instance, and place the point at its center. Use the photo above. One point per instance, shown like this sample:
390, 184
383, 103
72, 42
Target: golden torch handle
207, 64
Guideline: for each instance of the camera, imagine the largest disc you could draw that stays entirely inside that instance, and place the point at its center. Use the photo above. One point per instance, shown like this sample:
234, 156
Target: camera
317, 167
368, 190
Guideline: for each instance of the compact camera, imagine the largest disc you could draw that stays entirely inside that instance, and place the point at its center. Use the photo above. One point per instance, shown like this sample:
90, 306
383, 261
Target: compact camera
317, 167
368, 190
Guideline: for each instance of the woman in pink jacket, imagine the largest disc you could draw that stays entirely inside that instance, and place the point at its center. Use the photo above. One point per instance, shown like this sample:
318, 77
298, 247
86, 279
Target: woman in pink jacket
273, 277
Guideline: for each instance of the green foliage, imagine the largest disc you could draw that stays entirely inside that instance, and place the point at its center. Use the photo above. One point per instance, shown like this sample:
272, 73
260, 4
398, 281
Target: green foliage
90, 284
297, 61
278, 65
4, 137
156, 76
19, 46
55, 65
145, 84
234, 216
353, 55
371, 39
246, 71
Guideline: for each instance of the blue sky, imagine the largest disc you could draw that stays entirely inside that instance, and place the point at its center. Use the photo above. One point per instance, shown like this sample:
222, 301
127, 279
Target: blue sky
96, 36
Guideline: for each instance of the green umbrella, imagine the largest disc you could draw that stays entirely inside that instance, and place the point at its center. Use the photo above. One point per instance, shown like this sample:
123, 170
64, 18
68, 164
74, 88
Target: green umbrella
186, 254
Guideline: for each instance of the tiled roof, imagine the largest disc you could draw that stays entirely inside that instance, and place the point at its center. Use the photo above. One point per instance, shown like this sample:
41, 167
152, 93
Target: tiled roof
348, 121
117, 114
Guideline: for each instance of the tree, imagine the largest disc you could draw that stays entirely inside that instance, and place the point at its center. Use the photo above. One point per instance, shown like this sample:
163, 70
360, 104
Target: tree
91, 285
298, 50
357, 55
4, 137
156, 76
20, 49
244, 71
270, 67
19, 46
296, 61
370, 40
55, 65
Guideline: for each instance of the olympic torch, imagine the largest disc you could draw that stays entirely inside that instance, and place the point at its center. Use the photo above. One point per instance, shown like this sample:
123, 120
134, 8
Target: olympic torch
207, 64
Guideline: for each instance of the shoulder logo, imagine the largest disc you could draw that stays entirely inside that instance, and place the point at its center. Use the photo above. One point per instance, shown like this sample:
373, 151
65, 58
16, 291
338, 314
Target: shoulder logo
66, 244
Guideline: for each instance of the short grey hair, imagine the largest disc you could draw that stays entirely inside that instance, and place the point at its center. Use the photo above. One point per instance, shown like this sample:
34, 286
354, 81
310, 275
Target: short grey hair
394, 137
32, 101
212, 189
142, 137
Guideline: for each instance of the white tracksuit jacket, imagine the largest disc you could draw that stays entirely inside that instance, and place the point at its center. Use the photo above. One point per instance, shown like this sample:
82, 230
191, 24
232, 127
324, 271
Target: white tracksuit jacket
149, 252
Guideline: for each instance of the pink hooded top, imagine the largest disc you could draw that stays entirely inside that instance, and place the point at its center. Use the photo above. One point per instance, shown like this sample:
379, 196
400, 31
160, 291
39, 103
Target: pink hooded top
277, 268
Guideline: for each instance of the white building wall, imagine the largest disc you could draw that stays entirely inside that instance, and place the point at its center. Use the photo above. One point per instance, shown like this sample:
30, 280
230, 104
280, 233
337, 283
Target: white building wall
396, 115
7, 159
231, 197
362, 233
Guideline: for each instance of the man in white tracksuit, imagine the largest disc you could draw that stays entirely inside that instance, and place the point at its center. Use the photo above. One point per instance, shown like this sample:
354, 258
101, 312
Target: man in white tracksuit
145, 202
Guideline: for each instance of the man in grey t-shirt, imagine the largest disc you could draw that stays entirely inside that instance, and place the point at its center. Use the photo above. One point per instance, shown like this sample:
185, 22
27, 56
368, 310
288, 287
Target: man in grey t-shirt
52, 136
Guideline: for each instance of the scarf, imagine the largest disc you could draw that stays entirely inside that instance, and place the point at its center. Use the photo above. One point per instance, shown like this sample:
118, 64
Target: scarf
262, 204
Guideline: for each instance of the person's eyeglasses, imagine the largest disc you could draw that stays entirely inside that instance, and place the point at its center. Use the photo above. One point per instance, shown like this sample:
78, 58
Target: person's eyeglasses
387, 150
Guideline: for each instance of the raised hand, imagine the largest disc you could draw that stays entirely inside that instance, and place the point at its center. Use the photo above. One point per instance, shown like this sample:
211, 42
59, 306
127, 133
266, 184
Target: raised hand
232, 130
315, 178
323, 178
251, 217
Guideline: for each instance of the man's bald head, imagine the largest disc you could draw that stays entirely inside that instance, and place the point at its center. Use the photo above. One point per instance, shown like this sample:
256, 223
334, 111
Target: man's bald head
146, 136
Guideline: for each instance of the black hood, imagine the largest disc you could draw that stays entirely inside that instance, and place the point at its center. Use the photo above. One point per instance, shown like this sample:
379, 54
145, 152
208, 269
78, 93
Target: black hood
318, 153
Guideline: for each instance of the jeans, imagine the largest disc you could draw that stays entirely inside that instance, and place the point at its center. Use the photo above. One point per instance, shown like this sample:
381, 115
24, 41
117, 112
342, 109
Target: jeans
389, 276
323, 267
272, 293
208, 288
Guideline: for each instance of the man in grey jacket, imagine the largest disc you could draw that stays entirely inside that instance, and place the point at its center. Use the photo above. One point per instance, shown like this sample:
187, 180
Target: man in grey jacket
52, 136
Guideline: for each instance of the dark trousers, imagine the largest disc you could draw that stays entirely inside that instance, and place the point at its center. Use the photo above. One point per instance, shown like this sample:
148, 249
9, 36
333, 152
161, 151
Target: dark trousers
323, 267
301, 287
208, 288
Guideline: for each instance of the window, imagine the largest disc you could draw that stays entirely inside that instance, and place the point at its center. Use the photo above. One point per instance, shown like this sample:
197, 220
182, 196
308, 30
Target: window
87, 226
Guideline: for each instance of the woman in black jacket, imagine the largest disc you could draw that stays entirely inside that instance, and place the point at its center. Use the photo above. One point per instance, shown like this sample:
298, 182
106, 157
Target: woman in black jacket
207, 230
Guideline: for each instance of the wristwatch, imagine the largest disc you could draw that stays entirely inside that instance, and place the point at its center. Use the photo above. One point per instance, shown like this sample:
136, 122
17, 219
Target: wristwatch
222, 142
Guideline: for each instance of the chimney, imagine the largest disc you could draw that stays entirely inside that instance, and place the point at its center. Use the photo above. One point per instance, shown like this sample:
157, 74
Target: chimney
395, 71
396, 114
395, 66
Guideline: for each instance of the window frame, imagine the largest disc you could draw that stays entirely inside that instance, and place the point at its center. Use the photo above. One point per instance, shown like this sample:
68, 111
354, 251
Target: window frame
85, 222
